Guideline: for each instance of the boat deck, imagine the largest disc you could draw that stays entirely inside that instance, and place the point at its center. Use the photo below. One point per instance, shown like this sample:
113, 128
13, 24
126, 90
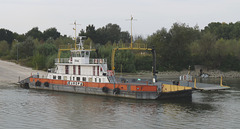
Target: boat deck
199, 86
204, 86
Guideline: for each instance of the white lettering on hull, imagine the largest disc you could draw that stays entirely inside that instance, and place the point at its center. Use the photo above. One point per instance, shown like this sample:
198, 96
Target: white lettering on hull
70, 83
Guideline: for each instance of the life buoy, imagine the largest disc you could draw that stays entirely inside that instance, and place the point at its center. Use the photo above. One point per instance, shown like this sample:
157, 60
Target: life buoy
105, 89
38, 83
116, 91
46, 84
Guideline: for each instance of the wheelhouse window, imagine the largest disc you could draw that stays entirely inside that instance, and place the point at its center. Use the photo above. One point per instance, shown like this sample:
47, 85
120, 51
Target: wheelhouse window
78, 78
59, 77
54, 77
84, 79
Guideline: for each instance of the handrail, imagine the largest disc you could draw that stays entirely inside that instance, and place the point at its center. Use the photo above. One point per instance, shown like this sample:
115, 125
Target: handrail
91, 60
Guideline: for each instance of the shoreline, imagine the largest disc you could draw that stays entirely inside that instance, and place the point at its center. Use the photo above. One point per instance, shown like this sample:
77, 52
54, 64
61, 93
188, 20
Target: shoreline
12, 72
176, 74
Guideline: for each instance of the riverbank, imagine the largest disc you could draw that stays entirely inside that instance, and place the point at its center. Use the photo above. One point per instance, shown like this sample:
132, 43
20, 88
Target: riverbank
11, 72
175, 74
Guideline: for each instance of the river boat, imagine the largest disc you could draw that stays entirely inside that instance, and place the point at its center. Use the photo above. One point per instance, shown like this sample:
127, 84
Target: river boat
81, 74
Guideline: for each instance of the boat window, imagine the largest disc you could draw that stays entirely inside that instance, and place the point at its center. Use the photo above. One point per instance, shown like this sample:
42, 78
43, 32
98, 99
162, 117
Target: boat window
95, 79
99, 79
84, 79
87, 53
82, 54
64, 77
90, 79
78, 78
54, 76
73, 78
59, 77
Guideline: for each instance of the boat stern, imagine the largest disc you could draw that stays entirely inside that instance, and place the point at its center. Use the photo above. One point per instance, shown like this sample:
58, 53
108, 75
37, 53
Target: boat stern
174, 91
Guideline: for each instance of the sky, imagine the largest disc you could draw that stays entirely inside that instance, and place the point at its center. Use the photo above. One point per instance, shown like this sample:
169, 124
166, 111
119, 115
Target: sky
150, 15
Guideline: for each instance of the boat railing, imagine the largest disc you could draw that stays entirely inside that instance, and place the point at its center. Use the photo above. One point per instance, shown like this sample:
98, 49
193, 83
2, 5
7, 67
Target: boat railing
97, 61
111, 76
62, 60
91, 61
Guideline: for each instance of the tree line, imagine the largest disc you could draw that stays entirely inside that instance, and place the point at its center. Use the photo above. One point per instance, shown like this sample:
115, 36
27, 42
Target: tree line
217, 46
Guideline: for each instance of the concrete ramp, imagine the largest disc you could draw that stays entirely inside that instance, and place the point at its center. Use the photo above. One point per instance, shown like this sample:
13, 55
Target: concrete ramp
203, 86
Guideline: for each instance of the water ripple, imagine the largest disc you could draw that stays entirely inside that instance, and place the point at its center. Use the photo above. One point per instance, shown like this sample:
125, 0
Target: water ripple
29, 109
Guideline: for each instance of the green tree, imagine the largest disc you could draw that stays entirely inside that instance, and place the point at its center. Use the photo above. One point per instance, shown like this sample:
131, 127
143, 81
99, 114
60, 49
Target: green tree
39, 61
224, 30
6, 35
47, 49
125, 59
4, 48
178, 53
91, 32
111, 32
160, 41
203, 50
26, 48
35, 33
172, 46
143, 61
19, 37
51, 33
125, 37
61, 41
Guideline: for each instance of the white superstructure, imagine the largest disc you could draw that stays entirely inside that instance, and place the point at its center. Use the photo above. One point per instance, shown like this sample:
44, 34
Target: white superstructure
79, 67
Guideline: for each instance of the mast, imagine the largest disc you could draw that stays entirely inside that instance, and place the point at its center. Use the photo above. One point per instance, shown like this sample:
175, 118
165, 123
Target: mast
131, 30
75, 29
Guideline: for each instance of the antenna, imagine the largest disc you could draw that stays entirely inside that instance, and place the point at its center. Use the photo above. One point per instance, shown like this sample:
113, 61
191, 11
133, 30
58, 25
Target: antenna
75, 29
131, 29
80, 45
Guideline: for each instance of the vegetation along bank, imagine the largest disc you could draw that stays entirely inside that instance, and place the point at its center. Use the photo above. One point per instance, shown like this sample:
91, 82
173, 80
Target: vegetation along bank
217, 47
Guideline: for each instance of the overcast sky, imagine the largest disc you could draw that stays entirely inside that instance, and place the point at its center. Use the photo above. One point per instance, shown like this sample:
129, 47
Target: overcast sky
22, 15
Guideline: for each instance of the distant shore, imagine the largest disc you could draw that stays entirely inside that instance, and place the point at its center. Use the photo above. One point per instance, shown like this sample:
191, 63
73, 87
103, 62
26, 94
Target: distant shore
175, 74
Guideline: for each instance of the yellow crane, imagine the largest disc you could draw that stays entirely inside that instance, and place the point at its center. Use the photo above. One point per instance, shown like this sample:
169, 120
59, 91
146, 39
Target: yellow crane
135, 46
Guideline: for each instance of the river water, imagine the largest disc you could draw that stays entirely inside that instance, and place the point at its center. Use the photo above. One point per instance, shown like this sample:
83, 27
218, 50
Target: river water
28, 109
